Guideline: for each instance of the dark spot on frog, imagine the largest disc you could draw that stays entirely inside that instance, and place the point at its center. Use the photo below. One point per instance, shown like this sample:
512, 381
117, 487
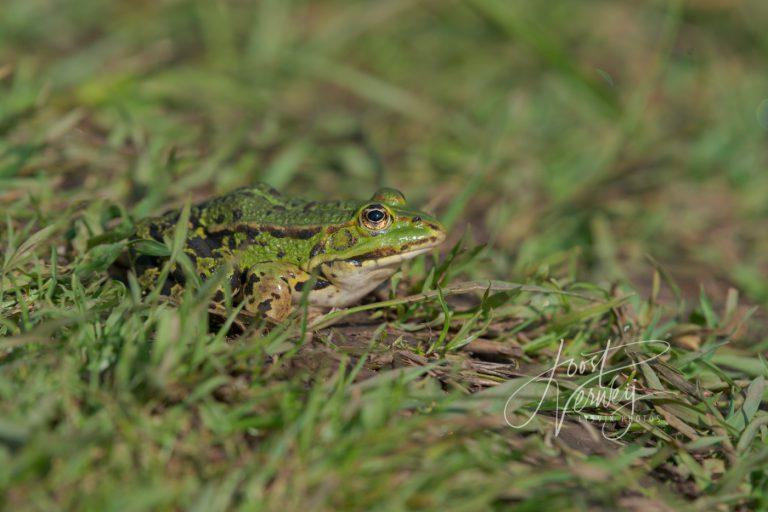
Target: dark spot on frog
175, 278
144, 262
416, 219
292, 232
223, 238
275, 296
391, 251
307, 233
382, 253
410, 245
265, 306
320, 284
199, 247
235, 283
252, 233
194, 220
220, 218
154, 232
309, 206
251, 283
280, 253
316, 249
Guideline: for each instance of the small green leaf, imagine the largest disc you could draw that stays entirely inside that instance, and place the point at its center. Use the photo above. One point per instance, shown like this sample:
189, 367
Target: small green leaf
151, 248
751, 404
117, 234
100, 258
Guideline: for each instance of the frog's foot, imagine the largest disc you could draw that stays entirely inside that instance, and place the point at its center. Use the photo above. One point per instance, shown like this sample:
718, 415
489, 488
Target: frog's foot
267, 289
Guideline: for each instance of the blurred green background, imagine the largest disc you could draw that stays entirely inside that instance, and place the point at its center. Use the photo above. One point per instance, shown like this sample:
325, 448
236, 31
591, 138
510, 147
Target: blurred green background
599, 130
576, 138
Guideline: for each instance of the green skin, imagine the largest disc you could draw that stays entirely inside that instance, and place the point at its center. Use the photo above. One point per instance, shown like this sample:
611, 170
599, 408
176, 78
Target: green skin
273, 245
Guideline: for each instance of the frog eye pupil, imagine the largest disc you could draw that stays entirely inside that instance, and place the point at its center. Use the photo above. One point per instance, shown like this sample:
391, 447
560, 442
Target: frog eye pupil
375, 216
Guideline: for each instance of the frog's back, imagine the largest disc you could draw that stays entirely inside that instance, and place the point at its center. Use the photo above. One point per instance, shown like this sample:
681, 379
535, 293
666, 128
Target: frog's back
258, 205
256, 223
263, 205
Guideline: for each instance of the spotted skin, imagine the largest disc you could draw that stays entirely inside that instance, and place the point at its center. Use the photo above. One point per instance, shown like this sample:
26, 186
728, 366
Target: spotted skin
270, 246
268, 289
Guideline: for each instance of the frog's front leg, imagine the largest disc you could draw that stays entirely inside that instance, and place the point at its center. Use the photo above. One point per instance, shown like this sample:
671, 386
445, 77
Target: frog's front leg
268, 289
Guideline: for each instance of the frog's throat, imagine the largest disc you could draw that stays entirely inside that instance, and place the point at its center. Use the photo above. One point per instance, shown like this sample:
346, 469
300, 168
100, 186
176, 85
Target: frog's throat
354, 278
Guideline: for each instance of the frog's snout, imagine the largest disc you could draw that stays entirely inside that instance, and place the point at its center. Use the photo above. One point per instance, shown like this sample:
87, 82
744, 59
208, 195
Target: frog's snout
437, 232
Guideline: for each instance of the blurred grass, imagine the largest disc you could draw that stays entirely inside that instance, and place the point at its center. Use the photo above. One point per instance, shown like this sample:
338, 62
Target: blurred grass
574, 138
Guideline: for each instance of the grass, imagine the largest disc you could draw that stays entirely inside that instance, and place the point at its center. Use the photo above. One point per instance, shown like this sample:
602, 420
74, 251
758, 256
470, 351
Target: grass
601, 168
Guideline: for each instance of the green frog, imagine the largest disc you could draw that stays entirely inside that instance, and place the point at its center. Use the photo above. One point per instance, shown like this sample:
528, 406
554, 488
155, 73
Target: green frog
272, 246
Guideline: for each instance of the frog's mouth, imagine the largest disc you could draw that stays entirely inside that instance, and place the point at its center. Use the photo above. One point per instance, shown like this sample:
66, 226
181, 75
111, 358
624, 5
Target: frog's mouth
382, 259
376, 265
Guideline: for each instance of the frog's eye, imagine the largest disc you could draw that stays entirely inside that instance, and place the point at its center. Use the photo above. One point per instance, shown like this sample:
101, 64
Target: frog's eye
375, 217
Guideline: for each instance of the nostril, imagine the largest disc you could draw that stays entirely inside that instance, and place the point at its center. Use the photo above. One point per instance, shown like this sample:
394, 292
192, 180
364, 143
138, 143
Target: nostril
416, 219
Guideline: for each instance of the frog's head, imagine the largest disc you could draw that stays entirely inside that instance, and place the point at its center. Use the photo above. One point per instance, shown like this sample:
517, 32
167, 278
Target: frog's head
381, 234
